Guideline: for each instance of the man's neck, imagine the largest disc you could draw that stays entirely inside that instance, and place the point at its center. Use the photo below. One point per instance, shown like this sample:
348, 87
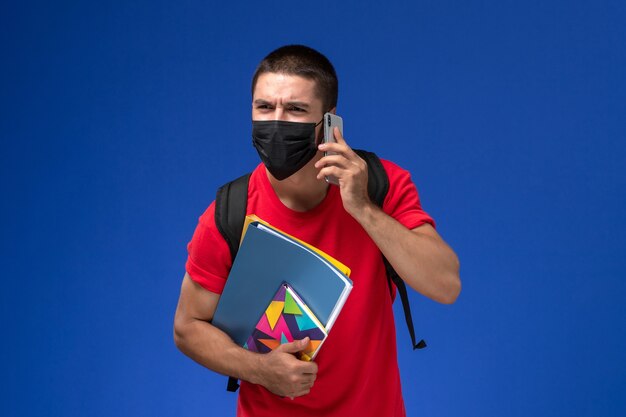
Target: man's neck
302, 191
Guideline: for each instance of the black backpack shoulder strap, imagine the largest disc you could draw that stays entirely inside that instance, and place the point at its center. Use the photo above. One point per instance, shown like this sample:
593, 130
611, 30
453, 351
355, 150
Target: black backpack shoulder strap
377, 188
377, 179
231, 203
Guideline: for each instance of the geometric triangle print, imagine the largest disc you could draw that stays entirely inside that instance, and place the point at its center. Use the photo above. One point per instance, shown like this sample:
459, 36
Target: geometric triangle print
273, 312
291, 307
282, 328
305, 323
280, 294
253, 341
270, 343
313, 345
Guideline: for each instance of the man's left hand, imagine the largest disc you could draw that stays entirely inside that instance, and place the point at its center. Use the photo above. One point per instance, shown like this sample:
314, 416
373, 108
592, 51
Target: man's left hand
349, 169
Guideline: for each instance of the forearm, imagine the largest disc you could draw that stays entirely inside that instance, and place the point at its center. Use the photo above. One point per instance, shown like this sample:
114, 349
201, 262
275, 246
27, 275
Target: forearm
215, 350
279, 370
424, 261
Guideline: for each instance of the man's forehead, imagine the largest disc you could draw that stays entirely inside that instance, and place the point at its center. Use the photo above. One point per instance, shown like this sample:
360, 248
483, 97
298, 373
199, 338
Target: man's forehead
285, 87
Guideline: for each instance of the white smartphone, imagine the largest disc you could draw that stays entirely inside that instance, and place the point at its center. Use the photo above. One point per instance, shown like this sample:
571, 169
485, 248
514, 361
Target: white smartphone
330, 121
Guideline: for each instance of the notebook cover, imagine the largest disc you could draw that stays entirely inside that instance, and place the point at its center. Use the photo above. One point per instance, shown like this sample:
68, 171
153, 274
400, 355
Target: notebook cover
287, 318
263, 262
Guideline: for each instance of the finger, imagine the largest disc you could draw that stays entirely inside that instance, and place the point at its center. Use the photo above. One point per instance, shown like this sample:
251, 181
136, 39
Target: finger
308, 370
309, 380
340, 147
311, 368
338, 136
334, 160
294, 347
346, 150
301, 392
331, 171
334, 147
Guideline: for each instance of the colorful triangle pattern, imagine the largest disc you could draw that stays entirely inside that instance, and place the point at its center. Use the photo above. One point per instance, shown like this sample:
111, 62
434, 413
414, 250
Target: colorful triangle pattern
270, 343
284, 321
305, 322
273, 312
291, 307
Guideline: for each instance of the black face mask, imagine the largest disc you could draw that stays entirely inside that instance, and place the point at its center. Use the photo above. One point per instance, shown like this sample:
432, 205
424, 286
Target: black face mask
284, 147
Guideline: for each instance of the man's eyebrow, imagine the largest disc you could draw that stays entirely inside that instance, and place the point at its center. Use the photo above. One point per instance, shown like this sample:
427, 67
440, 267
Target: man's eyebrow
300, 104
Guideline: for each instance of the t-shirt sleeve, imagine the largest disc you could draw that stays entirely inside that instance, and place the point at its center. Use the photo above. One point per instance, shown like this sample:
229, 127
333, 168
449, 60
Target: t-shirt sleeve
208, 260
402, 201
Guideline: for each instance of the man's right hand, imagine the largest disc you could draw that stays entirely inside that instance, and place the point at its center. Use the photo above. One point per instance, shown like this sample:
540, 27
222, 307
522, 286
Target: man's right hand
285, 375
279, 371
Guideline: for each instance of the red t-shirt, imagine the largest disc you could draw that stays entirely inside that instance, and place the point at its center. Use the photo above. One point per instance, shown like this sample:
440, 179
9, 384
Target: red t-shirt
357, 367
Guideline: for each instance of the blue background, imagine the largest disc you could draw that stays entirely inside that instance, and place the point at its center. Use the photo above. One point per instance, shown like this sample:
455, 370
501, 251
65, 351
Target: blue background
119, 120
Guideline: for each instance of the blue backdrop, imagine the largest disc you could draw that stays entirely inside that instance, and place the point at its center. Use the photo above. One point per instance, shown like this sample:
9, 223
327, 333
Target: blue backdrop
119, 120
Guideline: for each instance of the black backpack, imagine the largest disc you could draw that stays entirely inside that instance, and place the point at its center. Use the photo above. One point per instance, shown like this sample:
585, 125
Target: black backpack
230, 211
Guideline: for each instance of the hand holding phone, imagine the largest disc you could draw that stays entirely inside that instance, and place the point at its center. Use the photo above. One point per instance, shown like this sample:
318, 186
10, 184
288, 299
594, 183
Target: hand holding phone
330, 122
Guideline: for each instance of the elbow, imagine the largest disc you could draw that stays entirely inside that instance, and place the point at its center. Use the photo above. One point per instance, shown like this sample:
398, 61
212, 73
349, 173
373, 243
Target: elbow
180, 334
453, 285
178, 340
452, 291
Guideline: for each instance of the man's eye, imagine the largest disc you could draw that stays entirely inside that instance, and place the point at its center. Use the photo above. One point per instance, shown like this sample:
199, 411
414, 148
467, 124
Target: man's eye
296, 109
263, 106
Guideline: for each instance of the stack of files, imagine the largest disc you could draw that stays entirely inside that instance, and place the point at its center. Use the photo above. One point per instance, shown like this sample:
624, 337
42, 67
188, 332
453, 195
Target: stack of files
267, 259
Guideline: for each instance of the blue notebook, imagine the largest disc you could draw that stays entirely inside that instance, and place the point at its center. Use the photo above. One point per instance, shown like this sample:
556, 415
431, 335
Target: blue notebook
266, 258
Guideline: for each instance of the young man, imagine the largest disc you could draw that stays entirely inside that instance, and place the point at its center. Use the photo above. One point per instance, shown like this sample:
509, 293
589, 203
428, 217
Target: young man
356, 373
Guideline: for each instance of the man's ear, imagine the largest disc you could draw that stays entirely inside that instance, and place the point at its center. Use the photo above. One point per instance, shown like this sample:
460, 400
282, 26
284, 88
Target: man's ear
320, 137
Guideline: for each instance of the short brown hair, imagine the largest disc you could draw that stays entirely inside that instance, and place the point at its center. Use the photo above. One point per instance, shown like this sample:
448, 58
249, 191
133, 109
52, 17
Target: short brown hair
307, 63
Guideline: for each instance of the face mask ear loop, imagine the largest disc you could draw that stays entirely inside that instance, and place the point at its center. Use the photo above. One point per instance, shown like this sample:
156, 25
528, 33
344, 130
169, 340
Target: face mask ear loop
319, 140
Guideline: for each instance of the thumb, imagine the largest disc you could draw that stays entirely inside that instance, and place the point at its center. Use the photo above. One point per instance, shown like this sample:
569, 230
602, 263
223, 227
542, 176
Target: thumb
294, 347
